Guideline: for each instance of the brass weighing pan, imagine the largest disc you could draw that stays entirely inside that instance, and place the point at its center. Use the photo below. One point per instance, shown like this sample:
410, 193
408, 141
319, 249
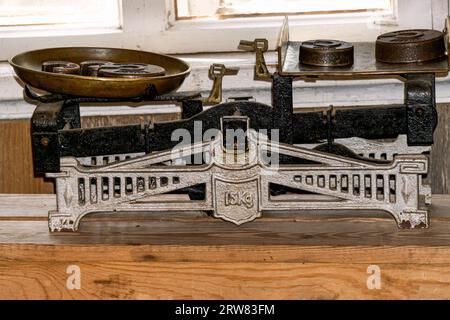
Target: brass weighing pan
28, 67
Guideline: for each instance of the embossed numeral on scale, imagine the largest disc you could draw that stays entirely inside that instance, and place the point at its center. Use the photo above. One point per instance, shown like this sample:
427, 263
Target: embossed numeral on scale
239, 198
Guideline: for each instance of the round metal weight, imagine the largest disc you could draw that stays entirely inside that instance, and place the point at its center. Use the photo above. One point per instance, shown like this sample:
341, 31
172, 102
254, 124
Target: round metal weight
64, 67
410, 46
90, 68
326, 53
130, 70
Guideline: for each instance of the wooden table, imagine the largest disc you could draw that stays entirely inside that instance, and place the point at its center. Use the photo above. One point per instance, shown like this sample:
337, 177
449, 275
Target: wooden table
197, 257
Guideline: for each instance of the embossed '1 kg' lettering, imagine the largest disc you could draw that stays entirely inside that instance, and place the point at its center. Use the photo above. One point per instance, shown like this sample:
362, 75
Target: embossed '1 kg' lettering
239, 198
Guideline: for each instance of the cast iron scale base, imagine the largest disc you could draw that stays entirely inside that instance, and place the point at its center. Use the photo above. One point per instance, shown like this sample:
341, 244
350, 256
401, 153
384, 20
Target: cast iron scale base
330, 158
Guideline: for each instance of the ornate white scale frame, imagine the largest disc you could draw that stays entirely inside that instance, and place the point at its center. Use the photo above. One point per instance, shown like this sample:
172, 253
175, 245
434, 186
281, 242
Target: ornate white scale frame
237, 184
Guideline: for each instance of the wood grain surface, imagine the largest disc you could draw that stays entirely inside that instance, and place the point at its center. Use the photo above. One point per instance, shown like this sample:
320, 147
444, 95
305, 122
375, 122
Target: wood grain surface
440, 153
16, 160
221, 280
149, 256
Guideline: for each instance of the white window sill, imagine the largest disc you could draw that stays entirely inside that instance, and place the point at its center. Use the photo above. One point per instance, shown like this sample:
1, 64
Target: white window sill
318, 94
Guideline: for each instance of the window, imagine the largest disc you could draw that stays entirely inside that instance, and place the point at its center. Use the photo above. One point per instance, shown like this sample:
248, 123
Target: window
218, 25
184, 26
79, 13
222, 9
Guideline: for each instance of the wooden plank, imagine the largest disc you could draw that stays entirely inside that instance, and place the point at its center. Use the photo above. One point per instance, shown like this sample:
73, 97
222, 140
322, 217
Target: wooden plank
16, 164
264, 262
237, 253
181, 256
13, 206
152, 280
200, 231
291, 260
440, 153
198, 257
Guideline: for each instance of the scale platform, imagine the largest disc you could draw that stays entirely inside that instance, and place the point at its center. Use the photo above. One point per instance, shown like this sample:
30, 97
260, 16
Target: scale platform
364, 65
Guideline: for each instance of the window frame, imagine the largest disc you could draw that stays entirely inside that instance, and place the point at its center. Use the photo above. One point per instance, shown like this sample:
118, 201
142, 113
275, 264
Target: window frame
353, 27
134, 22
254, 14
40, 13
150, 25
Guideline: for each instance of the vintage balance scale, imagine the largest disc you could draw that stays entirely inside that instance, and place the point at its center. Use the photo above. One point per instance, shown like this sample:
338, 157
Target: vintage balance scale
328, 158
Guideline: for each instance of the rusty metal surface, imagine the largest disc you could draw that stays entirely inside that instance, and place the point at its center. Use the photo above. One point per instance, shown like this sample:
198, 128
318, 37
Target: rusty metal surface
326, 53
28, 68
259, 46
410, 46
364, 65
216, 73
